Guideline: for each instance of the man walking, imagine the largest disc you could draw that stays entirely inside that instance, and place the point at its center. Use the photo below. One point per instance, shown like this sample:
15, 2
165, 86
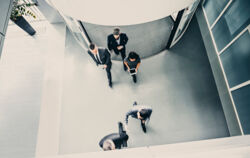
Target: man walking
117, 42
133, 62
115, 140
140, 112
101, 56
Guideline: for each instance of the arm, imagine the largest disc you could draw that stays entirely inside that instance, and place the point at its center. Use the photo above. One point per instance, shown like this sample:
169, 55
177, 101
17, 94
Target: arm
138, 65
109, 43
127, 116
125, 39
149, 114
126, 63
107, 54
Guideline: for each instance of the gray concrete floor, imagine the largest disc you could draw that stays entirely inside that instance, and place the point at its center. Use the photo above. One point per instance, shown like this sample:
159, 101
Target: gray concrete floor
177, 83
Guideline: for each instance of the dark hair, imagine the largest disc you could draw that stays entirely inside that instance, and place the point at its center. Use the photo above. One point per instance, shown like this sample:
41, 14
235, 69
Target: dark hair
116, 31
143, 113
92, 46
133, 55
135, 103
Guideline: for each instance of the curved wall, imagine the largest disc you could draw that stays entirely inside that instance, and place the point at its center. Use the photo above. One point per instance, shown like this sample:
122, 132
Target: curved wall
146, 39
119, 12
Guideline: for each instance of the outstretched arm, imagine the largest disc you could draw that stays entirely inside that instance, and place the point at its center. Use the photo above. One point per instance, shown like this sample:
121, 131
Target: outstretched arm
127, 116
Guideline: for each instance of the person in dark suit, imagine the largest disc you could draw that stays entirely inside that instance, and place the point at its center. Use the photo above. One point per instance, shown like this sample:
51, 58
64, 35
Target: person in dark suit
140, 112
101, 56
117, 42
115, 140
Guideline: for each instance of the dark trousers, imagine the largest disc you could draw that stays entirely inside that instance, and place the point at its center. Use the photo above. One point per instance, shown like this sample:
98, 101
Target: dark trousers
123, 55
123, 134
134, 78
143, 127
108, 70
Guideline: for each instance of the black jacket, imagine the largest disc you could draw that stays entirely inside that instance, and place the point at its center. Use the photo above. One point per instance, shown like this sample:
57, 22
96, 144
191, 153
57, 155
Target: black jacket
117, 138
104, 56
133, 112
112, 44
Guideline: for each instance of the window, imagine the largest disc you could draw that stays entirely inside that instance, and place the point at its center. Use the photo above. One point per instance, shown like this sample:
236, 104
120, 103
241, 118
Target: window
236, 60
213, 9
232, 22
242, 102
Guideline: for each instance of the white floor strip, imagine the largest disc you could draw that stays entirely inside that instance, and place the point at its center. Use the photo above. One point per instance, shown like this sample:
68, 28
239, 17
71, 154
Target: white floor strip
49, 126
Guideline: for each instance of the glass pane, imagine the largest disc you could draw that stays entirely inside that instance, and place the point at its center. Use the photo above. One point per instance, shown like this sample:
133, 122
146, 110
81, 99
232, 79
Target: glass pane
242, 102
71, 24
80, 38
233, 21
213, 9
236, 60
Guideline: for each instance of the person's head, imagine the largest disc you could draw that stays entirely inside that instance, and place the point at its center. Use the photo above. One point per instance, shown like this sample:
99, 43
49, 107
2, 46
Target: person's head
108, 145
132, 56
93, 48
135, 103
116, 33
142, 114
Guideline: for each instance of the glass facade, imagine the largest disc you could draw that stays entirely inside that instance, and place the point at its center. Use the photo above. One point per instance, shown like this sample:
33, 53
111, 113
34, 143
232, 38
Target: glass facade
231, 34
236, 60
242, 101
231, 23
214, 9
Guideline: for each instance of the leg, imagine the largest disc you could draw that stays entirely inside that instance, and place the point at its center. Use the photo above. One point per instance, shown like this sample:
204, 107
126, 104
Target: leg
143, 127
125, 144
120, 127
123, 135
123, 54
109, 74
134, 78
116, 51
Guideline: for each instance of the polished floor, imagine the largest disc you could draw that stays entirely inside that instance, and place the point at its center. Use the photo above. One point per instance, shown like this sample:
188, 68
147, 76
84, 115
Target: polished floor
178, 84
22, 73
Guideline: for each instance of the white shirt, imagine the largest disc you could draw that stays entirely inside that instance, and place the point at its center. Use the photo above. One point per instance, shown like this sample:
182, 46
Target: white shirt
118, 41
97, 56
